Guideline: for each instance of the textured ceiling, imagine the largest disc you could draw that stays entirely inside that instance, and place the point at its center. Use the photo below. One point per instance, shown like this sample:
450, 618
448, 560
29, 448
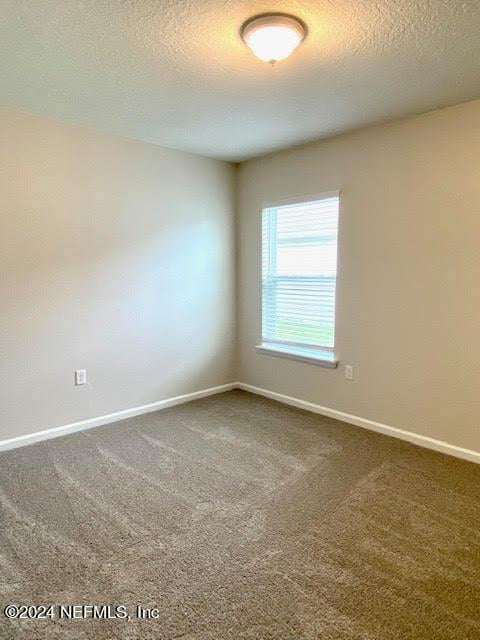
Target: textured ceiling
176, 73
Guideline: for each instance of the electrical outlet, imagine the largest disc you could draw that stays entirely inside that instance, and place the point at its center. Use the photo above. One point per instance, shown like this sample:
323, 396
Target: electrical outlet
80, 377
348, 372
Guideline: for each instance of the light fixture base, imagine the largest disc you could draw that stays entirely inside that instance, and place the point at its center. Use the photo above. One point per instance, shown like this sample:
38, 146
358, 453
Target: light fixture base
273, 36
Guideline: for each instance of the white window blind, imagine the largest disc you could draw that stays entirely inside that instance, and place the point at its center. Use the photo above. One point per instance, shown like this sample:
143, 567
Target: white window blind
299, 271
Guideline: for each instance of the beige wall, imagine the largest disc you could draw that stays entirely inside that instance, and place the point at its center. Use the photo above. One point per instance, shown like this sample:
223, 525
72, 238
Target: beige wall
408, 308
116, 256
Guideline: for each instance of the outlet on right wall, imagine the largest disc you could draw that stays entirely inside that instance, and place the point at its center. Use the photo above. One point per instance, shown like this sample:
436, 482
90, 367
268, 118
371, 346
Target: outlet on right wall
408, 287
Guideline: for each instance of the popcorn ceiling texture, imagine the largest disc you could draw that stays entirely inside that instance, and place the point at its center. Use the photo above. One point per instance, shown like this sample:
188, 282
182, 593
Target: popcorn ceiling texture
240, 518
175, 72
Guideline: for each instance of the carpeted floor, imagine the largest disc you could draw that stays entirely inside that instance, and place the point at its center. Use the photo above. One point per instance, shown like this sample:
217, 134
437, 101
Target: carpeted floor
241, 518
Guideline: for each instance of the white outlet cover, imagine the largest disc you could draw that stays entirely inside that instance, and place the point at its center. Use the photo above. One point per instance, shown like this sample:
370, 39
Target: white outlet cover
80, 377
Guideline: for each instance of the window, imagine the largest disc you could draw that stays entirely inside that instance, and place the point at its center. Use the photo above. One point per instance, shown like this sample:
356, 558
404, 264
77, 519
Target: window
299, 272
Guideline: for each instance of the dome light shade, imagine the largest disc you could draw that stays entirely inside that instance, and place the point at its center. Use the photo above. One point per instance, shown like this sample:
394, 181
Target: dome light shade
273, 37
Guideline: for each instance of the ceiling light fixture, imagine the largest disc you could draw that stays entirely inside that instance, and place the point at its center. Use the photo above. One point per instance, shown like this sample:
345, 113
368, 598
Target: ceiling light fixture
273, 36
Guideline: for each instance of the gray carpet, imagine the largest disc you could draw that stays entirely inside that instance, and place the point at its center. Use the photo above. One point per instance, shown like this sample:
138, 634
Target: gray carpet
241, 518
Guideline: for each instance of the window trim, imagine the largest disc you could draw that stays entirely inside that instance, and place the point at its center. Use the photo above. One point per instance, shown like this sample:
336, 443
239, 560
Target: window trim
321, 356
301, 345
284, 202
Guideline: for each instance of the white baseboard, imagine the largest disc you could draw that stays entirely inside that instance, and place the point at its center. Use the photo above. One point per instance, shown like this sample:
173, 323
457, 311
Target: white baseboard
82, 425
415, 438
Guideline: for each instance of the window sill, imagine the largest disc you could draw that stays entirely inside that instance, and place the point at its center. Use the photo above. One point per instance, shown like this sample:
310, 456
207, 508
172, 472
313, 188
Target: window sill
312, 356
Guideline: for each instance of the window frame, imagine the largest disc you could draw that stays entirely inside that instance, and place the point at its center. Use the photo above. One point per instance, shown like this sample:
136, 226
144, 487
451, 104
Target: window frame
315, 354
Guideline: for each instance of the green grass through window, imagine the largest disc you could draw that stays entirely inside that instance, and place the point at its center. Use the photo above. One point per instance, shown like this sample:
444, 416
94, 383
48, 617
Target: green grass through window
302, 332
